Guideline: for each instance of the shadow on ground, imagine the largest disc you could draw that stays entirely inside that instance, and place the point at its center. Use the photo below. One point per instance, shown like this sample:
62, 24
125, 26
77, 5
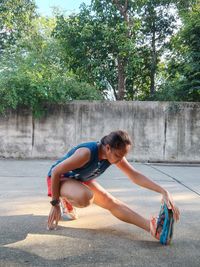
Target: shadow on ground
26, 242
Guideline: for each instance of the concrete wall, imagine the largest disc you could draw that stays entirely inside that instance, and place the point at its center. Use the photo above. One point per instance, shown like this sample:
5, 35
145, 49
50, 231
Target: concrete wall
161, 131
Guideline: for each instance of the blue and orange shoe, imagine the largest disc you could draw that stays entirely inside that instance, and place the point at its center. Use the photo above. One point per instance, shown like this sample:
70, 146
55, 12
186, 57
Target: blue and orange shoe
162, 227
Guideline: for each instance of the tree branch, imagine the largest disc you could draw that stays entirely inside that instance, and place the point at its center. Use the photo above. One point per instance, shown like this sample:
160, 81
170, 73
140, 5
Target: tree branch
122, 9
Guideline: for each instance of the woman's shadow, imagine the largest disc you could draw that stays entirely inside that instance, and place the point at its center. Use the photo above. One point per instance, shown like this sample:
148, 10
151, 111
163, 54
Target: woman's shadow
26, 241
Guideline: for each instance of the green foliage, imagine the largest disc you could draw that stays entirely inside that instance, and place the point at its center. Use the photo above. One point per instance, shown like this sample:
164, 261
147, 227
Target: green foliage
15, 21
183, 69
88, 56
158, 24
35, 74
94, 40
103, 34
34, 85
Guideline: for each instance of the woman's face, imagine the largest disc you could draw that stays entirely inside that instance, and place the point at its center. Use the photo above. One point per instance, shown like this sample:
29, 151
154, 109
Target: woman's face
116, 155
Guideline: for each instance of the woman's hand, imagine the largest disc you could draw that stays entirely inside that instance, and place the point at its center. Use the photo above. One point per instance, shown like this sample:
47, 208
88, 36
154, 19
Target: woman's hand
54, 217
167, 198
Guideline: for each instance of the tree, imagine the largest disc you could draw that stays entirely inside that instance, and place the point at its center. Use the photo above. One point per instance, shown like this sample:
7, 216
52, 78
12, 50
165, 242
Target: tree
99, 43
118, 44
36, 73
16, 18
182, 72
158, 24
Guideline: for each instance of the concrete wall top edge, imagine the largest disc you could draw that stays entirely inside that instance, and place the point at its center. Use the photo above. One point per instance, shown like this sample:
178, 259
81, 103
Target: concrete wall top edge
122, 102
196, 104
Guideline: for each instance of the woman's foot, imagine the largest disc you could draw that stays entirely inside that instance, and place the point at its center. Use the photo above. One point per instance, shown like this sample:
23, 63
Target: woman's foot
154, 230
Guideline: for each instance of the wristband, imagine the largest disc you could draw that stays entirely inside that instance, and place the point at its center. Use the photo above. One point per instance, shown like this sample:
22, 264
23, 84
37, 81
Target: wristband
55, 202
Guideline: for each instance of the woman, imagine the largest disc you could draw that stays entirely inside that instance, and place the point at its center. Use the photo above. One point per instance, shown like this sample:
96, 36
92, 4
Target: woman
72, 179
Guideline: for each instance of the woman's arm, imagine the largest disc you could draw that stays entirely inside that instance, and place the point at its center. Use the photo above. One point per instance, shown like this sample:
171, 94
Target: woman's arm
141, 180
138, 178
77, 160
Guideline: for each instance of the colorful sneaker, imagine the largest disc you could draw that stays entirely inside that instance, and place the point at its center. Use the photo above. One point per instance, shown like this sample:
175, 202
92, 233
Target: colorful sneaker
68, 212
162, 227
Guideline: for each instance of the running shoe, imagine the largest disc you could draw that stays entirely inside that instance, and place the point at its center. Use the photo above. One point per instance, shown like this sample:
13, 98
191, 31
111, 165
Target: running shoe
162, 227
68, 212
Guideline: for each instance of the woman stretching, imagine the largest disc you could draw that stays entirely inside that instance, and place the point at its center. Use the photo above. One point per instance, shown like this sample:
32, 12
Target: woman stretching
72, 180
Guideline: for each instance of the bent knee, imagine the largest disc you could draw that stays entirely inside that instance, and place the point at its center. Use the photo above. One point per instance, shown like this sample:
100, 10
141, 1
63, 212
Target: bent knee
79, 195
85, 199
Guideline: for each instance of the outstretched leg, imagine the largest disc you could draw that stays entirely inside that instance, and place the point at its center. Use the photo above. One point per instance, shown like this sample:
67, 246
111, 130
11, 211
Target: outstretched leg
119, 209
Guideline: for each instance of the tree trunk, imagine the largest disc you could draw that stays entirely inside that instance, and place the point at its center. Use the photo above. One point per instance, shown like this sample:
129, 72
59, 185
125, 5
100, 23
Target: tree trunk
121, 79
121, 62
153, 62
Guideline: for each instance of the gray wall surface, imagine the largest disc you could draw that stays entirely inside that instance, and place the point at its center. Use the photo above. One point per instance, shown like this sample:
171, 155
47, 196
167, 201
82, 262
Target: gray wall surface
161, 131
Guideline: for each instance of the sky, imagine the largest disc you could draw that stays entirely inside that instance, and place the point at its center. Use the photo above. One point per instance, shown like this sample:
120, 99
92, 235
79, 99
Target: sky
44, 6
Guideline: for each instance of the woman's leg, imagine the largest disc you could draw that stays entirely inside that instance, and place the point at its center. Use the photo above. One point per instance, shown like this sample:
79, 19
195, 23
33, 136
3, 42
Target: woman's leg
119, 209
76, 193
